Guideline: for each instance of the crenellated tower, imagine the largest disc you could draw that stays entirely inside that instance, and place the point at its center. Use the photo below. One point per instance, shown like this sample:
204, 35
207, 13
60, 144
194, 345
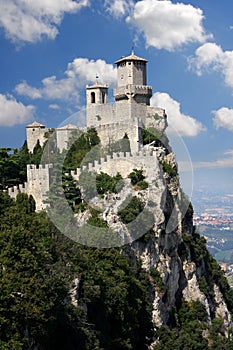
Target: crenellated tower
132, 80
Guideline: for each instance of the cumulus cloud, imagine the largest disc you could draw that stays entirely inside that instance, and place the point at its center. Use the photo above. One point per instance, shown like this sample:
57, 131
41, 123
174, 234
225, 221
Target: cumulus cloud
184, 124
118, 8
25, 89
30, 21
13, 112
87, 70
80, 72
223, 118
210, 56
166, 25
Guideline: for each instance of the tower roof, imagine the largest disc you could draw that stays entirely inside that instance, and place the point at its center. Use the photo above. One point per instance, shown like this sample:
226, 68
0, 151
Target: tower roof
68, 127
97, 86
131, 57
35, 125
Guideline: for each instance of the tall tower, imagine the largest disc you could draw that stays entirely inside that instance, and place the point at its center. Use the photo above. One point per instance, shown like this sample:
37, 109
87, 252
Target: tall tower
131, 80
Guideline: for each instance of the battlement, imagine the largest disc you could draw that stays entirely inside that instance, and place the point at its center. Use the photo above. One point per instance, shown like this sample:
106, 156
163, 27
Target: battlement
41, 166
15, 190
122, 162
123, 92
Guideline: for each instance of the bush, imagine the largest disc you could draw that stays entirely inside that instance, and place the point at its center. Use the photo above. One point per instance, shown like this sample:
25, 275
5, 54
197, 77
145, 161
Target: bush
143, 185
131, 211
136, 176
167, 168
106, 183
150, 135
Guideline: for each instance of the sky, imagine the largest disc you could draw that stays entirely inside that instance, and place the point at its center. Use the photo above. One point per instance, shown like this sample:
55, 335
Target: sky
50, 50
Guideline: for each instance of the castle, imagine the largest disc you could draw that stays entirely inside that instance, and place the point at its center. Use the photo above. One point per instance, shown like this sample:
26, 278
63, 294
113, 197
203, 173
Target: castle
130, 113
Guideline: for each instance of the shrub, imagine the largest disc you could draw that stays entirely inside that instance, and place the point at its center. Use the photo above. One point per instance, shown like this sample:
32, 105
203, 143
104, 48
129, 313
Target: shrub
136, 176
167, 168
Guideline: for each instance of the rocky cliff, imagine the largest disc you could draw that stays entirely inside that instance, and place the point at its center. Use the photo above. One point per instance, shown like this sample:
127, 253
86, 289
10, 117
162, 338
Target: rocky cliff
180, 269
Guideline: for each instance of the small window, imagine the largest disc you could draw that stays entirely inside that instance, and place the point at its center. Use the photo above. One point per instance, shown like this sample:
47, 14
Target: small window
92, 97
129, 63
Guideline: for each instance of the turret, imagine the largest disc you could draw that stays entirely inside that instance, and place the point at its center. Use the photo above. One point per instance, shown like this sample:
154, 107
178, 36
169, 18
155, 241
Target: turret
96, 94
35, 132
131, 80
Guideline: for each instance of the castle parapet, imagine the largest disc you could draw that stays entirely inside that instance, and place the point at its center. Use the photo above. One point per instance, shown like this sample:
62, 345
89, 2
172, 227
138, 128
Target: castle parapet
122, 91
15, 190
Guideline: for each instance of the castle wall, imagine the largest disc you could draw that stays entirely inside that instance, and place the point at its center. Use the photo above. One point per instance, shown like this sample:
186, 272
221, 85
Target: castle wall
124, 163
110, 133
37, 185
63, 136
15, 190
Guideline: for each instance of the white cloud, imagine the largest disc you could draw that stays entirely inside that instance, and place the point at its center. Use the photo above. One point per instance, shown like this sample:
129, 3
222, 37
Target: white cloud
29, 21
54, 106
79, 72
184, 124
211, 56
118, 8
25, 89
223, 118
87, 70
167, 25
13, 112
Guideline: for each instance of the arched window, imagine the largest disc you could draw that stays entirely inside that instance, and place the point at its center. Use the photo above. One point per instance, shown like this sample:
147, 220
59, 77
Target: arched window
92, 97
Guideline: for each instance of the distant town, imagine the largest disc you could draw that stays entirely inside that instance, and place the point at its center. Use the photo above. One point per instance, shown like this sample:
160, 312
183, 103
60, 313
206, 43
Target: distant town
213, 218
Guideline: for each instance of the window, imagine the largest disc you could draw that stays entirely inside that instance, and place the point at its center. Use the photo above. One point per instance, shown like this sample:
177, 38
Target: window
92, 97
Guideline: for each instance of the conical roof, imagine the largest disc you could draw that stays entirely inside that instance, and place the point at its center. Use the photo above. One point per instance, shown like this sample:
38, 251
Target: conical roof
131, 57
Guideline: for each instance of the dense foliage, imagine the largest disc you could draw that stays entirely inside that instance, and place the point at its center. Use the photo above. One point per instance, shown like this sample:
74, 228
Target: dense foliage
38, 267
13, 164
151, 135
191, 331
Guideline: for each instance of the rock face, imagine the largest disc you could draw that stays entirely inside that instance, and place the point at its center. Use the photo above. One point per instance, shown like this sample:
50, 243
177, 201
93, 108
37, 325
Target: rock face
170, 252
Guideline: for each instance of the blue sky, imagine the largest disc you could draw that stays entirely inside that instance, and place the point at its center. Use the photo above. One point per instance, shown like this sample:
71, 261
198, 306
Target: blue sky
50, 50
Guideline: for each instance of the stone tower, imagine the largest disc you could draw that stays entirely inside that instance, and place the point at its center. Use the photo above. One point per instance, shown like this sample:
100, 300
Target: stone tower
131, 111
96, 94
35, 132
131, 80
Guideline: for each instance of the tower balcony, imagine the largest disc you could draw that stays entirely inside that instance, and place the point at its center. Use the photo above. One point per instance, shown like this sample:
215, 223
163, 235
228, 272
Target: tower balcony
130, 90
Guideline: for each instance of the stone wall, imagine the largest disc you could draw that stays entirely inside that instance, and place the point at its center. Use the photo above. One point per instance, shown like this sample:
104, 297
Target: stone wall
124, 163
